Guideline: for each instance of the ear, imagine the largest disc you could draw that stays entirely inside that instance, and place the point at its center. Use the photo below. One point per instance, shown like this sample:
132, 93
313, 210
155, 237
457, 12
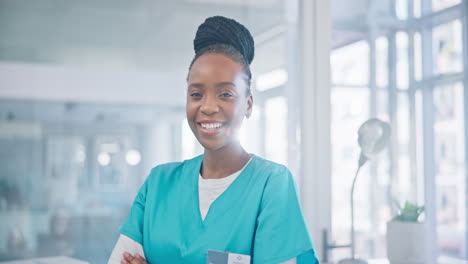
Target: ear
248, 112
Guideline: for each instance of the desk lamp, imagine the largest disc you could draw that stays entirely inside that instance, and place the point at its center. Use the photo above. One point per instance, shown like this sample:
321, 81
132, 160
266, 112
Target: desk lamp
373, 137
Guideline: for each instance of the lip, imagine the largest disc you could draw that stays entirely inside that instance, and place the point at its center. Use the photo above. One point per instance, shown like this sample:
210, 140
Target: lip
209, 132
209, 121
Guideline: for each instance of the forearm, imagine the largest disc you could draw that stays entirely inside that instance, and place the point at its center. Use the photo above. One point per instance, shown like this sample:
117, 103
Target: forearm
124, 244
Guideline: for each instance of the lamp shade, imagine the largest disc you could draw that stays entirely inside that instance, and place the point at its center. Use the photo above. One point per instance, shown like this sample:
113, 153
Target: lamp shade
373, 136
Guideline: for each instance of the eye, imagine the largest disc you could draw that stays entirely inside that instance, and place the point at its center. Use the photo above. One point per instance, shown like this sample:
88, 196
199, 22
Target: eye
226, 95
196, 95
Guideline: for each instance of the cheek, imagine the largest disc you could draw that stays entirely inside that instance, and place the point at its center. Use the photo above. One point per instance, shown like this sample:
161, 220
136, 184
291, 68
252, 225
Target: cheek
190, 109
238, 114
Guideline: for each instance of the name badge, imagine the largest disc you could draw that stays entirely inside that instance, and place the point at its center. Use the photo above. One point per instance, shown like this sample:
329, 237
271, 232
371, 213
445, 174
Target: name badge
220, 257
238, 259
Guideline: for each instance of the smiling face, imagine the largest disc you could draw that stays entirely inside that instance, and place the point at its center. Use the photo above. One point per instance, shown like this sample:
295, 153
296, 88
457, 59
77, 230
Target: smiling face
217, 100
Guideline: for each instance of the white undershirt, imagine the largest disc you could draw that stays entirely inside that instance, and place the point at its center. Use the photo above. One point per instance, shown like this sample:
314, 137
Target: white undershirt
208, 191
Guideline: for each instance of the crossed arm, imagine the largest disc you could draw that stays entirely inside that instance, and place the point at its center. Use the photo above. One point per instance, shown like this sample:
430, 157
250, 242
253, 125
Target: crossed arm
128, 251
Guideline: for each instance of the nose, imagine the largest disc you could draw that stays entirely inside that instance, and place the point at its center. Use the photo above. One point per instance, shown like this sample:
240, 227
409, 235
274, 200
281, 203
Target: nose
209, 106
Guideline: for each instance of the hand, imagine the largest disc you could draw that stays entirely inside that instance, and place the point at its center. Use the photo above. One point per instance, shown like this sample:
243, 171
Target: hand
132, 259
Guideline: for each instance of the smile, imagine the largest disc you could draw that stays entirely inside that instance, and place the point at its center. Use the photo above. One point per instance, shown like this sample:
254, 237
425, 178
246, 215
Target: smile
211, 126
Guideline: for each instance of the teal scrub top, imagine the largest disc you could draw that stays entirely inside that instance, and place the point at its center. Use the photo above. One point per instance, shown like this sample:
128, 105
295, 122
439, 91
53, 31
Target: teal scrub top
257, 215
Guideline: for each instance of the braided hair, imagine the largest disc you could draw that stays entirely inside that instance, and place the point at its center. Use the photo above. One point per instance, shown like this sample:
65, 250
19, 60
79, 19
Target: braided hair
221, 35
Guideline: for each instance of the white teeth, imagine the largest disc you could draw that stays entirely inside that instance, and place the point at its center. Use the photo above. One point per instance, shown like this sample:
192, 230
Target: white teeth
212, 125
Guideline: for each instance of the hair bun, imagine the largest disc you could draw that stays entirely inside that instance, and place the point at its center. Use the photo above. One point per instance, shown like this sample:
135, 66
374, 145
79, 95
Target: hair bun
222, 30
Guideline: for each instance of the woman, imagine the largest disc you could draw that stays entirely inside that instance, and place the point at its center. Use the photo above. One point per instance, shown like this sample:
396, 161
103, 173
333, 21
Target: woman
225, 200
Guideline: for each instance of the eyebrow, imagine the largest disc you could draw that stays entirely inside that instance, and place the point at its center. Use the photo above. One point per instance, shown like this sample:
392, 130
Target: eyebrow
221, 84
195, 85
218, 85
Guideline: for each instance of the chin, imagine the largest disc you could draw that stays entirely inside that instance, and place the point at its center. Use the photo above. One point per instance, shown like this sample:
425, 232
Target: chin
217, 145
212, 146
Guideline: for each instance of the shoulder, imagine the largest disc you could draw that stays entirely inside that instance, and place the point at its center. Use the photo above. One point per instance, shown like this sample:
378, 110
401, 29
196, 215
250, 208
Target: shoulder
166, 167
273, 171
276, 179
164, 170
279, 188
171, 169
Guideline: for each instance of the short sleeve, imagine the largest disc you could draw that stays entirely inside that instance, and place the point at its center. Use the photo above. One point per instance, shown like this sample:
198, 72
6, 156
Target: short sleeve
281, 232
133, 225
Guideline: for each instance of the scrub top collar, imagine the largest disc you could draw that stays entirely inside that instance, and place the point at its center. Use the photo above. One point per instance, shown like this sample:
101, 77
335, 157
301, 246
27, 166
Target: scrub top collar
225, 201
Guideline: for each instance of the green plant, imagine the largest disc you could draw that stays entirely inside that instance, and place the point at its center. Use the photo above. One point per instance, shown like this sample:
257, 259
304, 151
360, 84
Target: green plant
409, 213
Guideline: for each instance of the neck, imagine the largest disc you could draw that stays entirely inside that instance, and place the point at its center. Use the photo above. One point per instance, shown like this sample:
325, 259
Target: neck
223, 162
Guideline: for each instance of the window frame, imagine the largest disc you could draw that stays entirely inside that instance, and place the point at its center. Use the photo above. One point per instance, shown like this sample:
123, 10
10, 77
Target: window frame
425, 192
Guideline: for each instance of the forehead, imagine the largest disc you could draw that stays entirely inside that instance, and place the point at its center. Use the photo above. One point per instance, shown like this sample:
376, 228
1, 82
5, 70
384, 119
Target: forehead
215, 67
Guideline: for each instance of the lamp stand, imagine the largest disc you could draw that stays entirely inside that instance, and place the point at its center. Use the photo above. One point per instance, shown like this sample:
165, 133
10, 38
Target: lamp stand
353, 260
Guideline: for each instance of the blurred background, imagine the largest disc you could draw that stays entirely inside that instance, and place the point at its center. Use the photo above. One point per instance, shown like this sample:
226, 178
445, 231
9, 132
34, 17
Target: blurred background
92, 96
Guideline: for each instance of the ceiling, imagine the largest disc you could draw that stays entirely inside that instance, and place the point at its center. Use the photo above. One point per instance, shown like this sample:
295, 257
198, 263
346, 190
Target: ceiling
150, 36
146, 34
135, 34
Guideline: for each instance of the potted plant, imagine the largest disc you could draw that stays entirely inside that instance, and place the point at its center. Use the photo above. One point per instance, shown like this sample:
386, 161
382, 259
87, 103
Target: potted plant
406, 236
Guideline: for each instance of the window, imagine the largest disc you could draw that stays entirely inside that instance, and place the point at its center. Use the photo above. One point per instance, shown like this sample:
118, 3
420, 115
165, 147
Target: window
271, 79
425, 105
447, 48
276, 139
381, 44
350, 64
250, 134
404, 182
442, 4
417, 56
449, 153
401, 9
417, 8
402, 69
349, 110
